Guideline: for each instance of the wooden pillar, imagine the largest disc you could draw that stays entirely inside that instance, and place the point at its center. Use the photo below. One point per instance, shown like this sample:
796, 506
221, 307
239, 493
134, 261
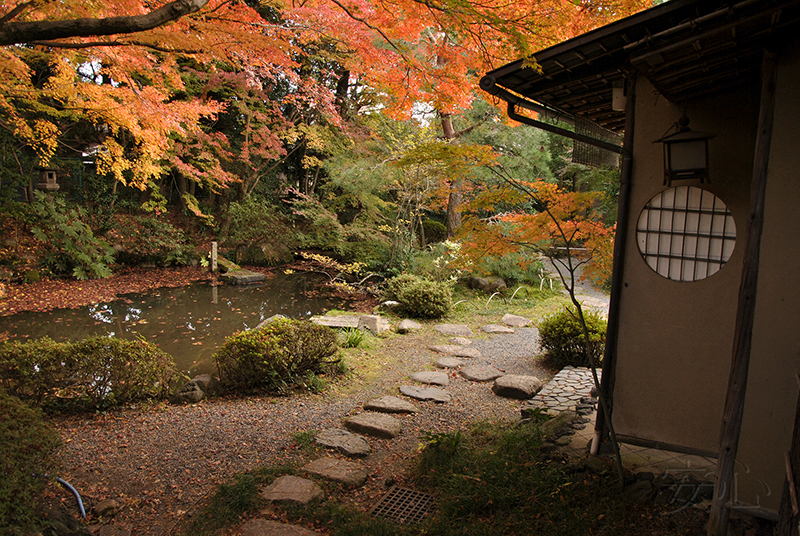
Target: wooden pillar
789, 513
620, 239
743, 334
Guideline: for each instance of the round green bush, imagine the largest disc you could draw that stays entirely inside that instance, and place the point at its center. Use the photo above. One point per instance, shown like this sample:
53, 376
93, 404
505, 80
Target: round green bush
562, 338
272, 359
420, 297
27, 442
96, 373
434, 231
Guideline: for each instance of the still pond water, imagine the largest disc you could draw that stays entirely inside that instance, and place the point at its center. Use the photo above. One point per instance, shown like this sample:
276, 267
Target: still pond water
189, 323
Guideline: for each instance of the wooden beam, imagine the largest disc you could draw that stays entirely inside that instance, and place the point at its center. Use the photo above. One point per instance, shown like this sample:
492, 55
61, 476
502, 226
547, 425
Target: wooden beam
789, 513
743, 334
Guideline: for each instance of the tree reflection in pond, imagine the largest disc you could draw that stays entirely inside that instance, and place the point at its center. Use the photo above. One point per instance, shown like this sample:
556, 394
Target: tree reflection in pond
189, 323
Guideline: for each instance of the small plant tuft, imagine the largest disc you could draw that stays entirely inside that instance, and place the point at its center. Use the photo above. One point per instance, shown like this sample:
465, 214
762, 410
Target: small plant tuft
562, 338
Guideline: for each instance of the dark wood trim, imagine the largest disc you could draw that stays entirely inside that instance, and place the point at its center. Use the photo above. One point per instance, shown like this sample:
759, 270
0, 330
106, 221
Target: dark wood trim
745, 313
660, 445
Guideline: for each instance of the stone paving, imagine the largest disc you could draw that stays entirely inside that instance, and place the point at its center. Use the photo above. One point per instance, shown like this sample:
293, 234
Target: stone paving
566, 389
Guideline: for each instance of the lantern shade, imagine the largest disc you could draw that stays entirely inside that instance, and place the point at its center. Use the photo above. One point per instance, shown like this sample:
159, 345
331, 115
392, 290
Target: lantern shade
686, 155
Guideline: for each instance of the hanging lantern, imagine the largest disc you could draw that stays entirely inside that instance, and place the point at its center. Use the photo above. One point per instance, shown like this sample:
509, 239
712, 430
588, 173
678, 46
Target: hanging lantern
685, 154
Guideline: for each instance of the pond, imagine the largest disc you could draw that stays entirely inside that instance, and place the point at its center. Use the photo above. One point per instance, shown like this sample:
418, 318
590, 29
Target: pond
190, 322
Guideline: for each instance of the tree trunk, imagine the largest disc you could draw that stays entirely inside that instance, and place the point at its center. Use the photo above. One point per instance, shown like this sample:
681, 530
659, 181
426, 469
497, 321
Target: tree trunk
456, 185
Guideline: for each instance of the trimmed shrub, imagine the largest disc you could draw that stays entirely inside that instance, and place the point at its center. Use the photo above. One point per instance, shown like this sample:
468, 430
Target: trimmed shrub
562, 338
27, 442
276, 357
96, 373
420, 297
150, 239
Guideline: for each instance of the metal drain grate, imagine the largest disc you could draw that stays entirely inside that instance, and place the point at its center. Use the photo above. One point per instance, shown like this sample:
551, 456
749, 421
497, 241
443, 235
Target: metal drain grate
403, 505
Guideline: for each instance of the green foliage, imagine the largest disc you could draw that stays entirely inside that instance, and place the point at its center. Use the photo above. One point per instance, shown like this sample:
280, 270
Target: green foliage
434, 231
72, 247
27, 442
420, 297
276, 357
258, 230
96, 373
562, 338
353, 338
514, 268
151, 239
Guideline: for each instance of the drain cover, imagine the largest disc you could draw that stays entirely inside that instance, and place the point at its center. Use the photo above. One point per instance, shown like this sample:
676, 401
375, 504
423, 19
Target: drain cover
403, 505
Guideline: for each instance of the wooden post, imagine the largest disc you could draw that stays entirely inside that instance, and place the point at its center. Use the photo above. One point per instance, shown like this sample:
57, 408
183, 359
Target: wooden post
789, 513
743, 334
213, 257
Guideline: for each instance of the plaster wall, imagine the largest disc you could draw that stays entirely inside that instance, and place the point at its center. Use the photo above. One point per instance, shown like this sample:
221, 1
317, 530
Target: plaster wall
772, 390
675, 349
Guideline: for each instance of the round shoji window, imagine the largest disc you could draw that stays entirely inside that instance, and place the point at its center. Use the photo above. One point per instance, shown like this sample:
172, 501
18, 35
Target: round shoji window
686, 233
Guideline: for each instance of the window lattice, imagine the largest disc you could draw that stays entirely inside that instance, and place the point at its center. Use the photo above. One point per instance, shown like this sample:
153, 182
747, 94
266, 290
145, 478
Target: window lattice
686, 233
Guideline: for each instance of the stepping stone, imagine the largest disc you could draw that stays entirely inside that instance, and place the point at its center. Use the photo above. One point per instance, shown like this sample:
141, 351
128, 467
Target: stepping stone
460, 341
375, 424
515, 321
455, 330
374, 323
345, 442
455, 350
348, 473
267, 527
516, 386
407, 325
449, 362
290, 488
481, 373
243, 277
496, 328
391, 404
431, 378
336, 321
426, 393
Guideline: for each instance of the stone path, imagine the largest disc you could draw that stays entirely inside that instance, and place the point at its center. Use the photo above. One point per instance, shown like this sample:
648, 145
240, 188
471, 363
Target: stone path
567, 392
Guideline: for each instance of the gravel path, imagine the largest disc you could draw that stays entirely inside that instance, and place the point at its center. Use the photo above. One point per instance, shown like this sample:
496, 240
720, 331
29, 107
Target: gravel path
158, 463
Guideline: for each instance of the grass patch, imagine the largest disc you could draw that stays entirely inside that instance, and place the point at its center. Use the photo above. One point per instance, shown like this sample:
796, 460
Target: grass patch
492, 479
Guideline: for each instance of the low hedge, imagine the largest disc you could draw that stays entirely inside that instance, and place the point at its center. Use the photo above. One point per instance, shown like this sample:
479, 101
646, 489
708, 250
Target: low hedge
95, 373
419, 297
27, 442
275, 358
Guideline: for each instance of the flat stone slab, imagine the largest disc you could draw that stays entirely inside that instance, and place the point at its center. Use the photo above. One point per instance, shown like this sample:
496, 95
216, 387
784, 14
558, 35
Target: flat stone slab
345, 442
455, 350
267, 527
243, 277
426, 393
348, 473
407, 325
496, 328
391, 404
517, 386
431, 378
515, 320
294, 489
375, 424
481, 373
455, 330
374, 323
460, 341
449, 362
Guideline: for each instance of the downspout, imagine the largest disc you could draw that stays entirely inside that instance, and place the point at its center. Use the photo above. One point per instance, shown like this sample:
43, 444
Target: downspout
620, 239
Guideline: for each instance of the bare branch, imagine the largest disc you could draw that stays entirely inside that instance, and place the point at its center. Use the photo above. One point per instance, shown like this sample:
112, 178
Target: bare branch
25, 32
96, 44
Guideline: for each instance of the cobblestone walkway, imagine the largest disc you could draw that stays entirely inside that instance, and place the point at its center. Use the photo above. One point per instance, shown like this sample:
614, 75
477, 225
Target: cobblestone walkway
566, 389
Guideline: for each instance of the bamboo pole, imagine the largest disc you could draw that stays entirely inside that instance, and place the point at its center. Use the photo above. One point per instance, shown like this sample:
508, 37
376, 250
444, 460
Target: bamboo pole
743, 334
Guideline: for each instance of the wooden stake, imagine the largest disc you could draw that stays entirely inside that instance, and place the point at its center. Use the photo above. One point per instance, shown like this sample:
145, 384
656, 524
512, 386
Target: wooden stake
745, 313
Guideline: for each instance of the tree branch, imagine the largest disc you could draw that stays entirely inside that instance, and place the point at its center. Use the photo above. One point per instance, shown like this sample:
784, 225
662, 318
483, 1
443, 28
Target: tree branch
25, 32
95, 44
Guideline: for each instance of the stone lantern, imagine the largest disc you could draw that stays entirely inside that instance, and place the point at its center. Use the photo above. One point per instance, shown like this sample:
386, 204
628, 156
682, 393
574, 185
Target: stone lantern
47, 179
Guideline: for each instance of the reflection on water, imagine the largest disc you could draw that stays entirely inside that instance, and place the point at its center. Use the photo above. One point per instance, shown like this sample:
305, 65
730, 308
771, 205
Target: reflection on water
189, 323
